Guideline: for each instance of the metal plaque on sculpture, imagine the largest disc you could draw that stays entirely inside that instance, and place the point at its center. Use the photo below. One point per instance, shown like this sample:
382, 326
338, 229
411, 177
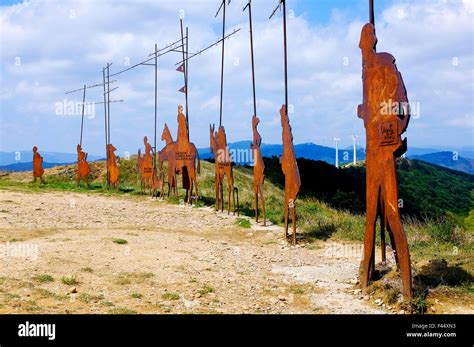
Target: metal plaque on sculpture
388, 132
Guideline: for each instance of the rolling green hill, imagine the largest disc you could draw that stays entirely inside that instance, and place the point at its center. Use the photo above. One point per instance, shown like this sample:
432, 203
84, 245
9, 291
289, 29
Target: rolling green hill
427, 190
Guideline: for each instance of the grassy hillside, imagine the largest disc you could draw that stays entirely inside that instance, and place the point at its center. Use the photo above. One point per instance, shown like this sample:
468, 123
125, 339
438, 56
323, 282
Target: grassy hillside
427, 191
331, 205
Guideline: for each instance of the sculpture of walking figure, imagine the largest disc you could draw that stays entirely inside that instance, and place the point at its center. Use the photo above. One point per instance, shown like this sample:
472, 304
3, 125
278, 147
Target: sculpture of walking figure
258, 170
38, 170
289, 167
382, 86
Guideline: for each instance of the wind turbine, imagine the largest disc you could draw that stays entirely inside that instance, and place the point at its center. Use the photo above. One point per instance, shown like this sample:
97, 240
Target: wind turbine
336, 141
354, 142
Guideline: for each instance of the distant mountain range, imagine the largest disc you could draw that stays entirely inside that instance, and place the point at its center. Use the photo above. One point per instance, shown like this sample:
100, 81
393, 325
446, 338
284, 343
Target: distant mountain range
312, 151
240, 150
7, 158
449, 160
304, 150
28, 166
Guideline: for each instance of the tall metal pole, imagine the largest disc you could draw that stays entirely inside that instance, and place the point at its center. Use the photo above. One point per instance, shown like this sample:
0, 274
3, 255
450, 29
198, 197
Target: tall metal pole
285, 59
156, 99
222, 63
249, 5
82, 118
186, 71
105, 128
371, 12
108, 100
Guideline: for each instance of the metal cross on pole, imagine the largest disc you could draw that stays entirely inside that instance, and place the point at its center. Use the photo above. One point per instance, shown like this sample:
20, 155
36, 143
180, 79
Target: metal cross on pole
83, 90
249, 6
108, 99
183, 66
152, 60
105, 83
282, 3
105, 128
184, 69
208, 47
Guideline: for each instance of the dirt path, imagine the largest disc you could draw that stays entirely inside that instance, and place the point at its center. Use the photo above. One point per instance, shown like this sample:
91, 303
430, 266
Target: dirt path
175, 259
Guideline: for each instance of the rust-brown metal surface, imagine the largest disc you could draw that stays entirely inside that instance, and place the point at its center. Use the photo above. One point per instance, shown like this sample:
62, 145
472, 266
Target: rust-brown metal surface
383, 86
157, 184
38, 170
182, 157
145, 166
114, 170
83, 167
172, 182
289, 167
258, 170
223, 167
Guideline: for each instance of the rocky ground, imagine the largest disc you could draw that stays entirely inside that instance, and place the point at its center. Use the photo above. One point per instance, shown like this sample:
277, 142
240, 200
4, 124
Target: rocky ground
90, 253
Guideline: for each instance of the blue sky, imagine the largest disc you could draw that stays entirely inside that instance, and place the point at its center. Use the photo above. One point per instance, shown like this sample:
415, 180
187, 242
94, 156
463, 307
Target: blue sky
50, 47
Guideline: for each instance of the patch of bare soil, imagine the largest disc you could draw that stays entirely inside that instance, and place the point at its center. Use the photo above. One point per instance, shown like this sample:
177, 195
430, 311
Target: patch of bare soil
88, 253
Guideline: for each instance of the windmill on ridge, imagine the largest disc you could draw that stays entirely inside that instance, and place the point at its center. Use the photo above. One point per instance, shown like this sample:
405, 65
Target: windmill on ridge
336, 141
354, 143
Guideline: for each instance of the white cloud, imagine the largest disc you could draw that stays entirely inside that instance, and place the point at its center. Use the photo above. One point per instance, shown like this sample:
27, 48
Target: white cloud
65, 44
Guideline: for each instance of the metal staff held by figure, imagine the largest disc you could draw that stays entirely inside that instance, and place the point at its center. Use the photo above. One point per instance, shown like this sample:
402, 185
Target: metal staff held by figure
259, 166
288, 160
222, 6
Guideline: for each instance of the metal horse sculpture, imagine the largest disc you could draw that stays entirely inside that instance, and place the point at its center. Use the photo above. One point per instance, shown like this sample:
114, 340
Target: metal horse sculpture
157, 184
172, 182
386, 115
223, 165
114, 170
181, 156
38, 170
83, 168
290, 170
145, 166
258, 170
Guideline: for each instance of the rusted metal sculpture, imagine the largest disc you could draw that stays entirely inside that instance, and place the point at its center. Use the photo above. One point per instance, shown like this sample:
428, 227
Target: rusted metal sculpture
157, 184
258, 165
258, 170
181, 156
289, 167
38, 170
145, 168
288, 161
145, 164
172, 182
83, 168
112, 166
383, 85
223, 167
